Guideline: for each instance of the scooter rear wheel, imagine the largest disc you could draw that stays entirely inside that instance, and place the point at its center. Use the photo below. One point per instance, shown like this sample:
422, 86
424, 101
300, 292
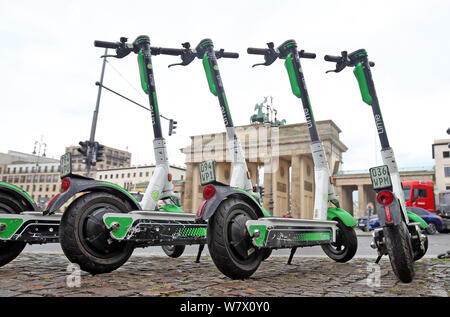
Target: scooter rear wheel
229, 243
398, 244
9, 250
346, 244
173, 251
85, 239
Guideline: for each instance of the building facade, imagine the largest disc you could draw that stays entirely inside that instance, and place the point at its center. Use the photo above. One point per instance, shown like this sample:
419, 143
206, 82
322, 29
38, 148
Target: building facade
135, 179
441, 155
113, 158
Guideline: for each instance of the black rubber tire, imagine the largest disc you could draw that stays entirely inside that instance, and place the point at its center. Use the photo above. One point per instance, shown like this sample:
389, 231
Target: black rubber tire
266, 254
223, 254
173, 251
418, 254
77, 249
9, 250
346, 238
431, 229
398, 244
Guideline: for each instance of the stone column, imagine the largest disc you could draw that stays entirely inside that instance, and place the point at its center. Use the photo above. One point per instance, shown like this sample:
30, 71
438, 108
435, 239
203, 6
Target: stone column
296, 186
187, 201
362, 202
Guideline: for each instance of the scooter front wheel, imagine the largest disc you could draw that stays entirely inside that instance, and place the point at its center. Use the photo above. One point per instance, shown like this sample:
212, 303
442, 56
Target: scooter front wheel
418, 254
173, 251
229, 243
345, 246
398, 244
9, 250
84, 237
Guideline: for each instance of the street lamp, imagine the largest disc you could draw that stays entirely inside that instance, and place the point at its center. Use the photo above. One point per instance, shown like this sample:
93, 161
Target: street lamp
41, 146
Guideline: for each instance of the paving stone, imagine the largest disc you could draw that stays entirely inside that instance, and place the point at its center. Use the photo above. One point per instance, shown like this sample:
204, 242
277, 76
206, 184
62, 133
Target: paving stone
45, 275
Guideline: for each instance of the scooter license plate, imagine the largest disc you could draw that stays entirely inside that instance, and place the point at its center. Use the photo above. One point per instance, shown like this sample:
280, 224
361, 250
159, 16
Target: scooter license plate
66, 164
207, 173
380, 177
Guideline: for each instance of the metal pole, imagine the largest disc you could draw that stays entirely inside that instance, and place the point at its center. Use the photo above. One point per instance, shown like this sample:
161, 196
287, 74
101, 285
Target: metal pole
94, 118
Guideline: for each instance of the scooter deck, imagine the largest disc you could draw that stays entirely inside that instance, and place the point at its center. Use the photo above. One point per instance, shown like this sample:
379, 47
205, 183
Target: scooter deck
30, 227
156, 228
275, 232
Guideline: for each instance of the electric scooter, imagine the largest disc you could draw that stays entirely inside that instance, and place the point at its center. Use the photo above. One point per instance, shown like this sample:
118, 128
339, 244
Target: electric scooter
100, 229
22, 222
400, 233
241, 233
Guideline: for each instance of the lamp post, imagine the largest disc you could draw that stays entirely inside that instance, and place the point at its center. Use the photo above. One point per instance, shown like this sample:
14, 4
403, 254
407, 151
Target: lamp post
40, 146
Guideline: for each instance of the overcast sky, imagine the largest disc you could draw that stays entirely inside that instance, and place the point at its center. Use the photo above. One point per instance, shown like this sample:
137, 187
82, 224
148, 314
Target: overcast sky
49, 66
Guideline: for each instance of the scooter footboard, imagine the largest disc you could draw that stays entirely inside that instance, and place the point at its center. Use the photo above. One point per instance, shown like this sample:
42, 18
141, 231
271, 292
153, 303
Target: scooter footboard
156, 228
30, 227
275, 233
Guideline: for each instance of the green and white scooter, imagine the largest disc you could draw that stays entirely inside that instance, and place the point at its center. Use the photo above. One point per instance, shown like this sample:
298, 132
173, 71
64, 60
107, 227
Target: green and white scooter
241, 233
100, 229
22, 222
400, 233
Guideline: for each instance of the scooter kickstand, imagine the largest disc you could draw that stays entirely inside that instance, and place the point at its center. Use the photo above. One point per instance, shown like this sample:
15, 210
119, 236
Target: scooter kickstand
293, 250
378, 259
199, 254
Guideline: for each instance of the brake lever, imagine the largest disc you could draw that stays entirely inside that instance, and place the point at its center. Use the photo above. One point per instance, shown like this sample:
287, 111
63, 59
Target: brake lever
260, 64
187, 57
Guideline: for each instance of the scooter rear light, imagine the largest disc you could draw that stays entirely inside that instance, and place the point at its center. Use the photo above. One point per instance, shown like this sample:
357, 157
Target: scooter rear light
65, 184
169, 177
208, 192
385, 197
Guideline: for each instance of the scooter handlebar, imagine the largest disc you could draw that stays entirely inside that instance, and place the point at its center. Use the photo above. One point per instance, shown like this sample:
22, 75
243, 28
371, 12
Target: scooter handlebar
303, 54
170, 51
105, 44
220, 54
331, 58
257, 51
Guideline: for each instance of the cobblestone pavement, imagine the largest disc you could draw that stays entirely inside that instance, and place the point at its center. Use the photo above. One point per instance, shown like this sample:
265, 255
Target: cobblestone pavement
34, 274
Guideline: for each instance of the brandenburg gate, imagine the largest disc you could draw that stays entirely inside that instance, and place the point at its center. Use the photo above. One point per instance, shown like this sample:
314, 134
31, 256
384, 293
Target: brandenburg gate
286, 148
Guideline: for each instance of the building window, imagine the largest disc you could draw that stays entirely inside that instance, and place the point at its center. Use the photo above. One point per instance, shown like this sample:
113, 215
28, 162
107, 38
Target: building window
128, 175
100, 177
123, 175
147, 173
140, 174
447, 171
446, 154
117, 175
54, 188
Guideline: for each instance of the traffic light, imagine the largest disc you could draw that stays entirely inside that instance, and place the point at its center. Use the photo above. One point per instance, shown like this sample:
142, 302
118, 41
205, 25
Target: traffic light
172, 126
100, 152
84, 148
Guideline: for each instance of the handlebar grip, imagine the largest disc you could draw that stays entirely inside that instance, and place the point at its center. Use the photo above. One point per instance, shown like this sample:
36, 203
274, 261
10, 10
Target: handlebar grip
230, 55
303, 54
170, 51
331, 58
257, 51
106, 44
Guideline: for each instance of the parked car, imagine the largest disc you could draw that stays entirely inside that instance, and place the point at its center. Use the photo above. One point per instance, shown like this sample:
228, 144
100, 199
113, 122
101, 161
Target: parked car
435, 223
366, 224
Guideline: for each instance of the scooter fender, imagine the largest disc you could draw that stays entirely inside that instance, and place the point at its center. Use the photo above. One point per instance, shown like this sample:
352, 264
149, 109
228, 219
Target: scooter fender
390, 215
415, 218
80, 184
209, 207
341, 214
20, 195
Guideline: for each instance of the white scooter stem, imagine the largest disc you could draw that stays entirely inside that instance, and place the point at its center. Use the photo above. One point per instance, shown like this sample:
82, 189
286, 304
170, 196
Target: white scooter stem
159, 185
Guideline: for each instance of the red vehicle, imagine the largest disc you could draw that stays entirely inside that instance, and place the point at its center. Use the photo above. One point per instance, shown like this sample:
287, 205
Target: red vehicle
421, 194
